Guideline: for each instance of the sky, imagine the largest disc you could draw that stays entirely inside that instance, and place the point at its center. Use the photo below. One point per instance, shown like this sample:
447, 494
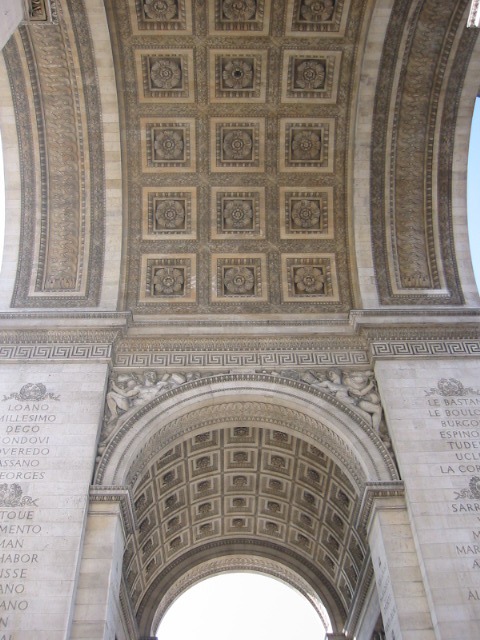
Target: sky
216, 609
473, 192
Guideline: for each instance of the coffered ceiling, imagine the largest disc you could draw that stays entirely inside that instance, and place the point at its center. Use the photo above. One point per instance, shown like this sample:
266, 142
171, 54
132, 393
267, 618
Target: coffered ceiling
240, 487
235, 119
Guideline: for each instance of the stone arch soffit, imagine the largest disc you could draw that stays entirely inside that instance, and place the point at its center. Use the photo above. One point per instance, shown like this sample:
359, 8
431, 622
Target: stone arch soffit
311, 414
239, 563
470, 91
266, 558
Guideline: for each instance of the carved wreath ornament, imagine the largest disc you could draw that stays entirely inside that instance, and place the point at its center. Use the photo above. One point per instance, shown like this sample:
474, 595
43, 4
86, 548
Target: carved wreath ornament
32, 392
451, 387
11, 495
472, 492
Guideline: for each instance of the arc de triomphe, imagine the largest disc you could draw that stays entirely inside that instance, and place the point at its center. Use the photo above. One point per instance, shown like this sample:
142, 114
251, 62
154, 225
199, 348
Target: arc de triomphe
238, 323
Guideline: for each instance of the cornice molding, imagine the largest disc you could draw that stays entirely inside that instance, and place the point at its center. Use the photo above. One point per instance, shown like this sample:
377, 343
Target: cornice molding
123, 497
372, 492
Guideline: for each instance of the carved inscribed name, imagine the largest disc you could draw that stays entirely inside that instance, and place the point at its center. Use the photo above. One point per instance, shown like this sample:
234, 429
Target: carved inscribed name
24, 449
457, 410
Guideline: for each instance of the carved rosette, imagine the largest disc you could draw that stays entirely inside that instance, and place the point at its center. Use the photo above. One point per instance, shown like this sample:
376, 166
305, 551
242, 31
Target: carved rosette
241, 277
309, 16
237, 145
162, 15
168, 278
309, 276
169, 143
307, 145
240, 16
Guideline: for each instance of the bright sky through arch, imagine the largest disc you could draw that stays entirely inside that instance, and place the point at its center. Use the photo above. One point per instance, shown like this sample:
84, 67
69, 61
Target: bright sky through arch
239, 606
473, 192
2, 202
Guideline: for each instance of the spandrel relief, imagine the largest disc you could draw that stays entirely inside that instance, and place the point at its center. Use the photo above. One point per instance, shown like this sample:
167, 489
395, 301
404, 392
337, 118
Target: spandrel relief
128, 392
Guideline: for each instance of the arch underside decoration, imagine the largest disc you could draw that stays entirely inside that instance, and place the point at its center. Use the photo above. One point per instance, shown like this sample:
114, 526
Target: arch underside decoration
255, 465
290, 111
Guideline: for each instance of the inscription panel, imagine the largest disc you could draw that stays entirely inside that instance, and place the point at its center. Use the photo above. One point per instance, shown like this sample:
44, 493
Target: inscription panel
47, 440
435, 427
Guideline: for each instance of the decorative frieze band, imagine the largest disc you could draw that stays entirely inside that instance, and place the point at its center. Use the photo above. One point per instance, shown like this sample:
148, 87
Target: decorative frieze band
425, 348
247, 358
57, 345
55, 352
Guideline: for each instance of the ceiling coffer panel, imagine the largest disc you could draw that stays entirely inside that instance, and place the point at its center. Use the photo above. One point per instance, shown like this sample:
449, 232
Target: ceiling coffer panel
235, 118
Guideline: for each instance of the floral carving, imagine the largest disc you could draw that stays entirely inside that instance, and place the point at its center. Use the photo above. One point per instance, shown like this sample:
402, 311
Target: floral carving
274, 507
168, 281
11, 495
169, 145
309, 280
473, 491
166, 73
271, 527
467, 493
239, 280
239, 9
278, 462
237, 145
317, 10
237, 74
306, 145
310, 74
240, 457
161, 10
238, 523
306, 214
170, 214
238, 214
239, 482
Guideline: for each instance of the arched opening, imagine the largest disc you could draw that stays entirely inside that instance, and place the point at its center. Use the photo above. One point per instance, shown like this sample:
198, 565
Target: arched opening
269, 481
2, 202
473, 192
248, 605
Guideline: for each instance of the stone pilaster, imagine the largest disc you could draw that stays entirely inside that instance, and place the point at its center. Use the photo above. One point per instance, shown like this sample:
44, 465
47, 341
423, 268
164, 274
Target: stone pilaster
403, 604
98, 612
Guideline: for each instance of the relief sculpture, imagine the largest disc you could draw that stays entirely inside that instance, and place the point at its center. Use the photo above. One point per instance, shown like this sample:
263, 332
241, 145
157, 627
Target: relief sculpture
356, 389
130, 391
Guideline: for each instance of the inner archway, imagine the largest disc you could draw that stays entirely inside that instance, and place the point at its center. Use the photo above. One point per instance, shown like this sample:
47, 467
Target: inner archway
248, 605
